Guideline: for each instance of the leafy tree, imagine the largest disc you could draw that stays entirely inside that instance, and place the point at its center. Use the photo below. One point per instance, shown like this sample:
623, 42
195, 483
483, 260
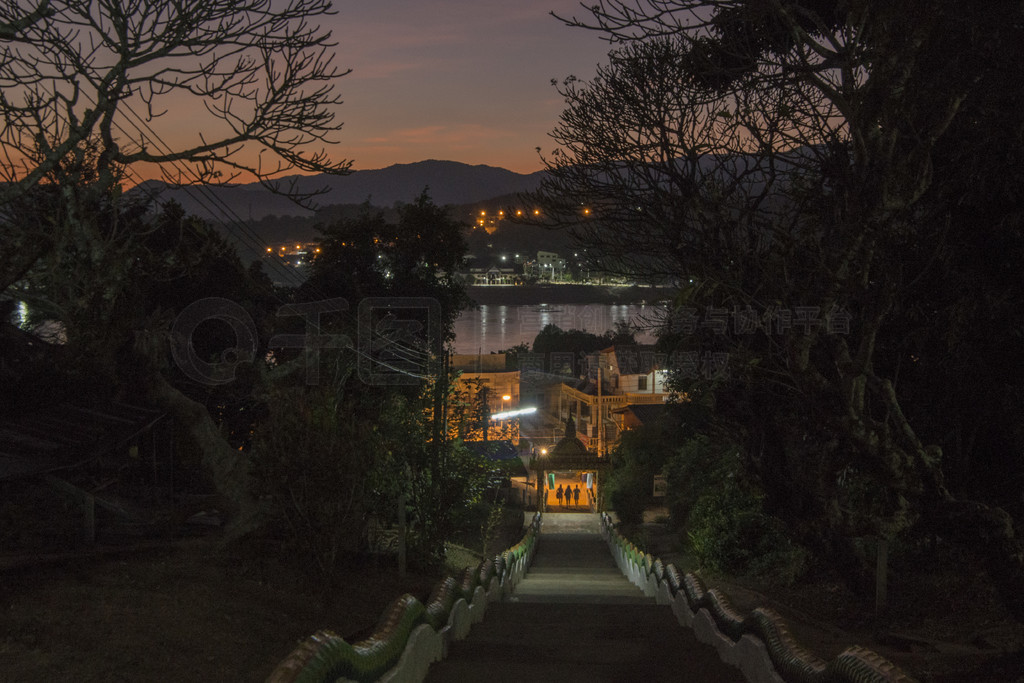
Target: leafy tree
779, 161
401, 265
313, 461
553, 339
114, 289
649, 450
515, 355
332, 458
419, 255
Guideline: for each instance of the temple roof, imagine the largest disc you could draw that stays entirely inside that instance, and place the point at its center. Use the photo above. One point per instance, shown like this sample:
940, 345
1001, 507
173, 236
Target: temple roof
569, 447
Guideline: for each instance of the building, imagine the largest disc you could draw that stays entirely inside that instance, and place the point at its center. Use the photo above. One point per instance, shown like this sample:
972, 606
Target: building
616, 378
549, 265
484, 271
483, 382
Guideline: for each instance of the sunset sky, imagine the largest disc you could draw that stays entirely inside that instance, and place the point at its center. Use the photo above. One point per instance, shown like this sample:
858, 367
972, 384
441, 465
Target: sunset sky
461, 80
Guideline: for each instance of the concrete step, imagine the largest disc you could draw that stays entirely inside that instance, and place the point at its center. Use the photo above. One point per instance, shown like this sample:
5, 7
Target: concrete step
596, 643
575, 617
575, 567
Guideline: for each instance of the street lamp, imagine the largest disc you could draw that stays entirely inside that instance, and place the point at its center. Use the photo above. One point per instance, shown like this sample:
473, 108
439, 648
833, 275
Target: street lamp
504, 408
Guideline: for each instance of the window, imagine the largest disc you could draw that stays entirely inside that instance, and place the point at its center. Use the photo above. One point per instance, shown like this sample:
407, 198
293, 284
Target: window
641, 383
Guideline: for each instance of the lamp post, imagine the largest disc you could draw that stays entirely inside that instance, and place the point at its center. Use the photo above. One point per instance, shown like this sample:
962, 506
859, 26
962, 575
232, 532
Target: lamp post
504, 408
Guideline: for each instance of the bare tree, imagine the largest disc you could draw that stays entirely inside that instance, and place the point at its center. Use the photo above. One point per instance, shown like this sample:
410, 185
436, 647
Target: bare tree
774, 156
255, 79
95, 91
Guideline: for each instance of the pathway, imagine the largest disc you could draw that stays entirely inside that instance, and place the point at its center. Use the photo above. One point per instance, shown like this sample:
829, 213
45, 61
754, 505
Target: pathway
574, 617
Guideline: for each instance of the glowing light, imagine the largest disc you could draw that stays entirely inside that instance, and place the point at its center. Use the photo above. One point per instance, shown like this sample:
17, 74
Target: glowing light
513, 413
22, 314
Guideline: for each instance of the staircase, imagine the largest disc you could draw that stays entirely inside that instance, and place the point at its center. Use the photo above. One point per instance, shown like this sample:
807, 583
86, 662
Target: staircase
574, 617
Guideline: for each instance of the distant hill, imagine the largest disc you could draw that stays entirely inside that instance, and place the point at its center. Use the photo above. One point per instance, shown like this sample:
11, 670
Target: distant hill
447, 182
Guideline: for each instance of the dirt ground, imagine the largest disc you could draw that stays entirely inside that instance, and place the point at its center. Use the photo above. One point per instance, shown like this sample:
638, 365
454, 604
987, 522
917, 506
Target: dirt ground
185, 610
937, 629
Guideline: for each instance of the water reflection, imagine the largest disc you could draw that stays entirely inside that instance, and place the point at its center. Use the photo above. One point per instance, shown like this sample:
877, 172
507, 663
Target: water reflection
495, 328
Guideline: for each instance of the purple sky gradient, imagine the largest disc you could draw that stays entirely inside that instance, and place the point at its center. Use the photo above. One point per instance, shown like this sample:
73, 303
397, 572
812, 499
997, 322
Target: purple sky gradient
461, 80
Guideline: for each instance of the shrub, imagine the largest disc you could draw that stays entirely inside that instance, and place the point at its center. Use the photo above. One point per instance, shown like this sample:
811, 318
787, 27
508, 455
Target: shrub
698, 466
311, 467
729, 532
629, 492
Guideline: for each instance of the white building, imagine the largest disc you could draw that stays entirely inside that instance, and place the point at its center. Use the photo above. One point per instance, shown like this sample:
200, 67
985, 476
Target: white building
550, 265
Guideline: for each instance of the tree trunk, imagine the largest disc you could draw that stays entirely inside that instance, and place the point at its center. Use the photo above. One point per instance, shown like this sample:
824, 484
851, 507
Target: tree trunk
228, 469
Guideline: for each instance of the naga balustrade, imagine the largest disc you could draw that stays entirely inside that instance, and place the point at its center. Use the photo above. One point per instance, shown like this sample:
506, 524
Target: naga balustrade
759, 643
410, 636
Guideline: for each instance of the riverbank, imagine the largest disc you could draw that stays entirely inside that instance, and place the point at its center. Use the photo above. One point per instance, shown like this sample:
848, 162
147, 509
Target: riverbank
511, 295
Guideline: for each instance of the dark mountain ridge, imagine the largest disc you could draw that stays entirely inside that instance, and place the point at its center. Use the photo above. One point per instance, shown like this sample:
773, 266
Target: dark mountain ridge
447, 183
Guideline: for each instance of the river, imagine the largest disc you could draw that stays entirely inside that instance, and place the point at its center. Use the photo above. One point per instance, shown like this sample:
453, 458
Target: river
492, 328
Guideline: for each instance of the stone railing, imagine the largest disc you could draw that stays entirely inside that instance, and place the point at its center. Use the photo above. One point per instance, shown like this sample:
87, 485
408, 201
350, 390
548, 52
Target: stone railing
410, 635
759, 644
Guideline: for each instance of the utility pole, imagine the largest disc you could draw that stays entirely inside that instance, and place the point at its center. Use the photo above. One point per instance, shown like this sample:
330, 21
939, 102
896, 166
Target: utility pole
600, 419
440, 426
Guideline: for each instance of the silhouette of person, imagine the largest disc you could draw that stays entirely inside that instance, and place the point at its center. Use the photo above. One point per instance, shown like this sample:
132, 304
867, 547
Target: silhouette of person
576, 494
558, 494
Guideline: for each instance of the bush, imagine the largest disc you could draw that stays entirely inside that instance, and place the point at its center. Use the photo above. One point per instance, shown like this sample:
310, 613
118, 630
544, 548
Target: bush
311, 468
697, 467
730, 533
629, 493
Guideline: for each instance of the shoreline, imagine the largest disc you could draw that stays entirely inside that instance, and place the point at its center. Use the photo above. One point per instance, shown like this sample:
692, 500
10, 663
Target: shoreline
514, 295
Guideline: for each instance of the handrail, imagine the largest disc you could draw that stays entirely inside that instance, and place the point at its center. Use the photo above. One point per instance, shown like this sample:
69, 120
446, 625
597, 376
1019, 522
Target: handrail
791, 661
326, 657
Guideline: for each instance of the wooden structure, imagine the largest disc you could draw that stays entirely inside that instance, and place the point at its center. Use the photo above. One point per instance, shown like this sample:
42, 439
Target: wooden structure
92, 454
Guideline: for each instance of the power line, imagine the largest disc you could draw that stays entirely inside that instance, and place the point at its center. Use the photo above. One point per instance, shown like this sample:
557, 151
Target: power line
236, 226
